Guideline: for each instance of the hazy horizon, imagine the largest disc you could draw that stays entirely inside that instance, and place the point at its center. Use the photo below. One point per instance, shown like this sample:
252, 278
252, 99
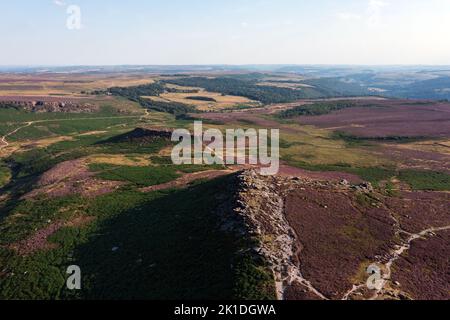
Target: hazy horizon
249, 32
225, 64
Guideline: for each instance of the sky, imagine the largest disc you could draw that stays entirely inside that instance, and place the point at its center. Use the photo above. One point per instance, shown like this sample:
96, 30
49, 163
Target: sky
181, 32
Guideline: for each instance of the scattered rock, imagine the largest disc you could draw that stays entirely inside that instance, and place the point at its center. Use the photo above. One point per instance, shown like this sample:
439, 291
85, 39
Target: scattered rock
365, 187
56, 104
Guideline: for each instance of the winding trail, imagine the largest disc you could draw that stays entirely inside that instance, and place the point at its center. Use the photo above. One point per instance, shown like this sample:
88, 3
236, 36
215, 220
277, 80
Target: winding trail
394, 256
295, 273
5, 143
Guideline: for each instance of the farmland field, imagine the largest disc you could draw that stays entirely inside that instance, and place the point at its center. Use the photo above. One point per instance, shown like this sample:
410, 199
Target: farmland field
207, 101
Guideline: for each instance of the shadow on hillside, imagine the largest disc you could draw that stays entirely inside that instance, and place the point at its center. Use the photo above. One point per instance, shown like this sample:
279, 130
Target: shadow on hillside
169, 248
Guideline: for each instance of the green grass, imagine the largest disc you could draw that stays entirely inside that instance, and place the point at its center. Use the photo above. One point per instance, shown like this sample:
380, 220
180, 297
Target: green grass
20, 115
56, 124
5, 175
139, 176
316, 109
167, 161
426, 180
161, 160
364, 200
353, 140
284, 144
253, 281
173, 240
390, 190
29, 216
37, 161
133, 148
148, 175
170, 246
68, 127
417, 179
371, 174
197, 168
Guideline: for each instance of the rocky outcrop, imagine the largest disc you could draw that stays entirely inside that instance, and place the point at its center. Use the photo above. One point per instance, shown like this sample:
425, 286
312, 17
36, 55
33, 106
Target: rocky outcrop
259, 209
62, 106
261, 205
318, 237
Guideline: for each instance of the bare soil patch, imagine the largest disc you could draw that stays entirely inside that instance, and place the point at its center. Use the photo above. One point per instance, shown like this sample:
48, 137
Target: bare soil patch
71, 177
123, 160
39, 240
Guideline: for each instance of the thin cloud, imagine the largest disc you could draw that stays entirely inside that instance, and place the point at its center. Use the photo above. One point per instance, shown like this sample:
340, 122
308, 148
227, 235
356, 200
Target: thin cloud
59, 3
375, 12
373, 15
348, 16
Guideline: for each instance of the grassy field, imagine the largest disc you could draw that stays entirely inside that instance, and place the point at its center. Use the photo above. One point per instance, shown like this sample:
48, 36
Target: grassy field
132, 160
62, 84
139, 176
5, 174
165, 240
316, 109
56, 124
164, 244
218, 102
319, 147
441, 146
158, 245
426, 180
38, 160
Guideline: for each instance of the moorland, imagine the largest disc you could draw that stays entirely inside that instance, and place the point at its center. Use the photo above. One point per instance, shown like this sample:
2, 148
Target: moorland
86, 179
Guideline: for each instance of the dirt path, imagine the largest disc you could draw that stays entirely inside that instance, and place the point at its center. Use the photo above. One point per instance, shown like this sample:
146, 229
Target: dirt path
297, 275
394, 256
295, 272
186, 179
5, 143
